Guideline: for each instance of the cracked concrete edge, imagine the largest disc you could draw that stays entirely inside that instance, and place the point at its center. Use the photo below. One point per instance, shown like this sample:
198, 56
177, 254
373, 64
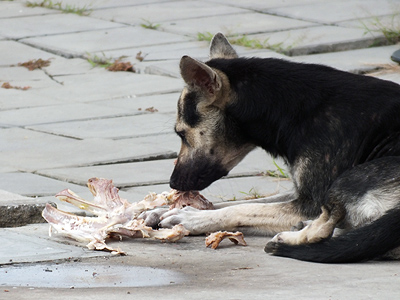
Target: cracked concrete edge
17, 210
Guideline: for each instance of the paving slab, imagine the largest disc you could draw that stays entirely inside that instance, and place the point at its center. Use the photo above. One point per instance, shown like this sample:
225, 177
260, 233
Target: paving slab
13, 52
108, 85
262, 5
50, 25
60, 67
79, 44
249, 23
197, 49
318, 39
31, 244
159, 13
226, 189
95, 5
28, 151
355, 61
165, 103
13, 99
145, 124
21, 77
33, 185
58, 113
13, 9
151, 172
375, 24
336, 11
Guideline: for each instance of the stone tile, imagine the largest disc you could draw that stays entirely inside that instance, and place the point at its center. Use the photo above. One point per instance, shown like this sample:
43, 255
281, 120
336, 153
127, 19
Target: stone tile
249, 23
50, 25
336, 11
20, 77
162, 53
376, 24
13, 9
164, 103
94, 5
151, 172
27, 150
126, 174
262, 5
356, 61
57, 113
32, 185
13, 99
147, 124
36, 246
79, 44
163, 68
61, 66
13, 53
105, 85
238, 188
317, 39
197, 49
165, 12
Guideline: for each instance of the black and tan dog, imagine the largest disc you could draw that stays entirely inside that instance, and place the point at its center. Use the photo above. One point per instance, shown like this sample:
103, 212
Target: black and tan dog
338, 132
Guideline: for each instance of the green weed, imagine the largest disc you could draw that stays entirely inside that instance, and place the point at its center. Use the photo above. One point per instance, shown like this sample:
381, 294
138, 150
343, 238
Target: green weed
149, 25
99, 61
69, 9
245, 41
252, 194
390, 29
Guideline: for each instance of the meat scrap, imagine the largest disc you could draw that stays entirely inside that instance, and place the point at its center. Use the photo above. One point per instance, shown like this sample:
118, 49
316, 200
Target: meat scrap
114, 216
178, 199
214, 239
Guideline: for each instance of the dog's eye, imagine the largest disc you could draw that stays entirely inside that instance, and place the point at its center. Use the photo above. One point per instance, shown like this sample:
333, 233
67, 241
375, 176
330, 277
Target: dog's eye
181, 134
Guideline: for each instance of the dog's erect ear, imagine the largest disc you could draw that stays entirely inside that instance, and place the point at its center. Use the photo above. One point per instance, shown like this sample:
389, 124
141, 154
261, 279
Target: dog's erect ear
221, 48
199, 74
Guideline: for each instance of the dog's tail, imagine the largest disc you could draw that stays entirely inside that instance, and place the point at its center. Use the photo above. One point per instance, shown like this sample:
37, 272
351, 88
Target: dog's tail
365, 243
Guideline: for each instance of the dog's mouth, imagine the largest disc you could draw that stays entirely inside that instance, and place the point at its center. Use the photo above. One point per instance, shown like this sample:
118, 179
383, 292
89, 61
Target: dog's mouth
195, 177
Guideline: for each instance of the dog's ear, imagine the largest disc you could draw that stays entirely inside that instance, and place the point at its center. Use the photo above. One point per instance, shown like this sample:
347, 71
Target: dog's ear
221, 48
198, 74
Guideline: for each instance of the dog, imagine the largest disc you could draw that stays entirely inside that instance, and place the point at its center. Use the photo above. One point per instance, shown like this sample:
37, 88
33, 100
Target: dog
338, 133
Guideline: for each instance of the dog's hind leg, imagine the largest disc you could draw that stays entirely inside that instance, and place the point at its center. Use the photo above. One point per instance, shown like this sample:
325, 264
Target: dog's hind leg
317, 230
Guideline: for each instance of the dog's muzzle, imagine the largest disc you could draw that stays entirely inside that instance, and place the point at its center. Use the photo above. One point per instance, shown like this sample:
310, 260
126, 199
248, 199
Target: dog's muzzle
195, 176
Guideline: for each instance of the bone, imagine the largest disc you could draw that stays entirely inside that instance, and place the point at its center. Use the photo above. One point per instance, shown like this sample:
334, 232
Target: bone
214, 239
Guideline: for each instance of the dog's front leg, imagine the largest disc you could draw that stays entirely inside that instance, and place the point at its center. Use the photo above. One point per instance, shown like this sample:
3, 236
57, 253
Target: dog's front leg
256, 218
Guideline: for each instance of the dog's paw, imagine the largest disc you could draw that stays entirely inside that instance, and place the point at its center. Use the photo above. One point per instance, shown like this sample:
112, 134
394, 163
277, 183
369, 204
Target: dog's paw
271, 247
195, 220
153, 217
290, 237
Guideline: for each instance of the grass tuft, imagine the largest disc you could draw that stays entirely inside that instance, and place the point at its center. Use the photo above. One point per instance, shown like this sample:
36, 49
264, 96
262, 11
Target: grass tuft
68, 9
149, 25
390, 29
245, 41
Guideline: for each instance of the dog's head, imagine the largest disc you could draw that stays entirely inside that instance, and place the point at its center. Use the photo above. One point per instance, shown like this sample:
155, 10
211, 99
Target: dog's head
211, 141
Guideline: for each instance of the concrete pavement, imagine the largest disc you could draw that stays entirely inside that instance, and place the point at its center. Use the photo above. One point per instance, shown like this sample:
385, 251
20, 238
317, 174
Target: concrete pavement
69, 121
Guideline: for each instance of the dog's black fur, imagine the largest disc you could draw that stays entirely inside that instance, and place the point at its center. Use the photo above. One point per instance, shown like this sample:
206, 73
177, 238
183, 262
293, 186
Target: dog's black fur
338, 132
336, 119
